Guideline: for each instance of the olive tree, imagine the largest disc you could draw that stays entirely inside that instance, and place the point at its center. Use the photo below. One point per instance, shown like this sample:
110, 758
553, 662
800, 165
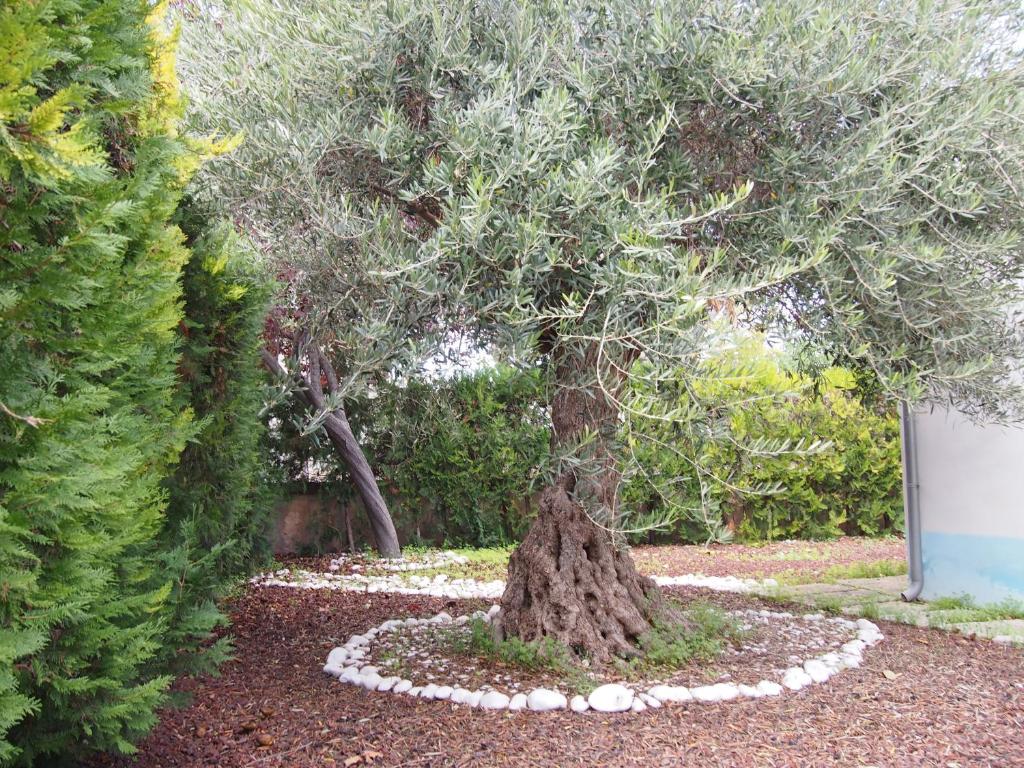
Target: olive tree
584, 185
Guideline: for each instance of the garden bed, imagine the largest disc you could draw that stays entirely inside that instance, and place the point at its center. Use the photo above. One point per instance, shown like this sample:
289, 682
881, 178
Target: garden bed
922, 697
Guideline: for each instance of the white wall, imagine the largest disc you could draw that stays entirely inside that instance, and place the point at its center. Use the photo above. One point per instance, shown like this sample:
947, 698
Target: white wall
972, 506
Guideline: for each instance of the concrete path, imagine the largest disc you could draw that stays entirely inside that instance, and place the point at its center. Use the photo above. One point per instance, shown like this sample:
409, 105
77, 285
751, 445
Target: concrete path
880, 598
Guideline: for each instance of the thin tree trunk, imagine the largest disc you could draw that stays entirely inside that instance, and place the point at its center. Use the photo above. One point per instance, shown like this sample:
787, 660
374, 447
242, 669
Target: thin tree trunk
569, 580
339, 432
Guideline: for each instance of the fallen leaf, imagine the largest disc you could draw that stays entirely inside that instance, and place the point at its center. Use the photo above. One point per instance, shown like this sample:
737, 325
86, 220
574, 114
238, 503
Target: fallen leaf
370, 755
889, 674
248, 727
264, 739
267, 712
354, 760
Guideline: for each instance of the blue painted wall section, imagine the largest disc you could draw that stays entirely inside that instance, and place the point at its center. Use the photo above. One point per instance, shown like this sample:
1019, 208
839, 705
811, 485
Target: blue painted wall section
989, 568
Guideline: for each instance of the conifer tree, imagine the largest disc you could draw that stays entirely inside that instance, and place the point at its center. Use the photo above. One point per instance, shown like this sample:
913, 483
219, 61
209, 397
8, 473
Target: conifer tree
91, 171
219, 497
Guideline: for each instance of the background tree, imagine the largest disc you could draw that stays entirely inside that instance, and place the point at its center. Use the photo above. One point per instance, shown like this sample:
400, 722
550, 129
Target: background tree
582, 185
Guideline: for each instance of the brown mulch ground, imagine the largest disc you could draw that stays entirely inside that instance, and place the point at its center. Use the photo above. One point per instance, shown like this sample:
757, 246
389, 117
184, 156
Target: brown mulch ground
799, 560
954, 702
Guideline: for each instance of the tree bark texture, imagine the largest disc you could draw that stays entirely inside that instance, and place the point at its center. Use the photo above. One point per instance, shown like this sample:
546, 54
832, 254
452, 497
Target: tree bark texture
339, 432
569, 580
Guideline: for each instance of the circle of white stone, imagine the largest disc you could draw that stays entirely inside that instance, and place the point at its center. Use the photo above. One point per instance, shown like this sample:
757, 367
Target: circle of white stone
347, 664
442, 585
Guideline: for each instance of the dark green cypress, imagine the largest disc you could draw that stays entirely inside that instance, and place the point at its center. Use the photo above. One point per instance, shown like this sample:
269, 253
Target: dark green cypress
220, 497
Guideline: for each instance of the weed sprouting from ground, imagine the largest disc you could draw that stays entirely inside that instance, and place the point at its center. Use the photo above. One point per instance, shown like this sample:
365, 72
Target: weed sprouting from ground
700, 635
698, 632
874, 570
962, 609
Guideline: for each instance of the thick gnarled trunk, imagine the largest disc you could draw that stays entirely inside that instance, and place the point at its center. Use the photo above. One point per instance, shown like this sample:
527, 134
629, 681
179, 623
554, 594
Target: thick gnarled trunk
569, 579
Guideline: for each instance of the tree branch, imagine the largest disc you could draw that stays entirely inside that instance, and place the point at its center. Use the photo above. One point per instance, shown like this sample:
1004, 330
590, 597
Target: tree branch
32, 421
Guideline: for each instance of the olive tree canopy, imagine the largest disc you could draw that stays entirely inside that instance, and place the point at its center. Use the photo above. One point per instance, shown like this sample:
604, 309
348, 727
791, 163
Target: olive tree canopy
584, 184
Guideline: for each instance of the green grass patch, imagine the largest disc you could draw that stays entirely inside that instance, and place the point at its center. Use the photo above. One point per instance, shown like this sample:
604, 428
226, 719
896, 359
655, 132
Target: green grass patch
547, 655
670, 645
872, 570
870, 611
701, 636
830, 605
962, 609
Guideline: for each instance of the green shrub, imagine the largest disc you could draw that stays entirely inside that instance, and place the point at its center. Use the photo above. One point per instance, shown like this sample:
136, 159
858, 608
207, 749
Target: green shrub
839, 475
93, 421
455, 458
464, 453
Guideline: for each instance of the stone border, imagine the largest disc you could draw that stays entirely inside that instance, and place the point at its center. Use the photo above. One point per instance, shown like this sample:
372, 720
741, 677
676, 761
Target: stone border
345, 663
443, 586
428, 561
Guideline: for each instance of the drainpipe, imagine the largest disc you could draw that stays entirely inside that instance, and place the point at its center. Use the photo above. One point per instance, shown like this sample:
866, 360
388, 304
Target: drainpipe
911, 504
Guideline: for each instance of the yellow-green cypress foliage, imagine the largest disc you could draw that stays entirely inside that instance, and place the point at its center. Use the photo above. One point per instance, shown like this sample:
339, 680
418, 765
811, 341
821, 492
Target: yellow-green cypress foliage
91, 171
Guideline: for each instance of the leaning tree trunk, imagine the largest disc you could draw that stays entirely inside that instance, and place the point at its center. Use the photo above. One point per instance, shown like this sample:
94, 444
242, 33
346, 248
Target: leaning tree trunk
568, 579
344, 441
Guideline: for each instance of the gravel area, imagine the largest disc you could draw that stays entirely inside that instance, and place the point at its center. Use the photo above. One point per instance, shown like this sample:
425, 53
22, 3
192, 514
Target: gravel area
922, 698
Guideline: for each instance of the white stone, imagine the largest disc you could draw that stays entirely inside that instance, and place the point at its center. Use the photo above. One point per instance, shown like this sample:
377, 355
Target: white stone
671, 693
474, 698
355, 641
611, 698
869, 636
796, 678
494, 700
369, 669
337, 657
833, 661
493, 611
443, 692
769, 688
518, 702
442, 618
402, 686
818, 671
370, 681
866, 624
543, 700
349, 675
750, 691
851, 661
333, 670
637, 706
387, 684
578, 704
649, 700
716, 692
854, 647
428, 691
